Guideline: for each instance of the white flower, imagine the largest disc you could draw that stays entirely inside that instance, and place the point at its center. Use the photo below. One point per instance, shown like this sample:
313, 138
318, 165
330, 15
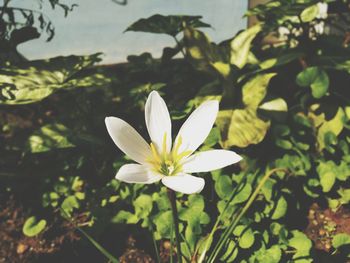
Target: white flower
159, 160
322, 10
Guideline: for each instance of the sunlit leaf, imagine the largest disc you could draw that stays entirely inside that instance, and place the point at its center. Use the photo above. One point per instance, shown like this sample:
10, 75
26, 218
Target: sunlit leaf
48, 137
240, 45
33, 227
341, 239
309, 13
35, 80
316, 78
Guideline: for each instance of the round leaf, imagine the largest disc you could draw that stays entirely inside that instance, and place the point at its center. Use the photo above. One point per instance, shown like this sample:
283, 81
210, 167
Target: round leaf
33, 227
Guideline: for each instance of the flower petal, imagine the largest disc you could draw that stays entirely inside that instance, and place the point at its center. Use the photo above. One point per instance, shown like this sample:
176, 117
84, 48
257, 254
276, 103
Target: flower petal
209, 161
128, 139
158, 121
136, 173
197, 127
184, 183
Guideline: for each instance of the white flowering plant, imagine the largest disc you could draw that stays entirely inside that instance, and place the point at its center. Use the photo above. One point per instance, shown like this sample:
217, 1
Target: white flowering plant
235, 151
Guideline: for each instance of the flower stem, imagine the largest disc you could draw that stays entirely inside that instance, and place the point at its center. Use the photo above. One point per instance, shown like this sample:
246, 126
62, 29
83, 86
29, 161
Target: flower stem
172, 199
236, 220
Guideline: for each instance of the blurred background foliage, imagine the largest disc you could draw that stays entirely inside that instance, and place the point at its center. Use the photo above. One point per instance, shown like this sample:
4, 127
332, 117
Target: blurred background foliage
284, 103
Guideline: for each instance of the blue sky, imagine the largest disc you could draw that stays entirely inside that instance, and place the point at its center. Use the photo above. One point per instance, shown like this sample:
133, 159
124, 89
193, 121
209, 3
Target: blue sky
98, 25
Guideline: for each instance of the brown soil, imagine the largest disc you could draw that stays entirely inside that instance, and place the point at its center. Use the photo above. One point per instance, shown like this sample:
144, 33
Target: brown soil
324, 224
16, 247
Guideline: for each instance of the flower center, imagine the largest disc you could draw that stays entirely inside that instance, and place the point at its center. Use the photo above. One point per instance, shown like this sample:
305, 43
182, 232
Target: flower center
167, 163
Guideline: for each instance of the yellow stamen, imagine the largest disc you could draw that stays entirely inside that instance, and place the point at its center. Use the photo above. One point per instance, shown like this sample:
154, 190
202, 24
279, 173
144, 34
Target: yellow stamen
177, 146
164, 146
155, 153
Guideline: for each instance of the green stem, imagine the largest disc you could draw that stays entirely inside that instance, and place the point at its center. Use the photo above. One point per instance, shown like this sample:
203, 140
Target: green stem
108, 255
155, 244
218, 220
172, 199
234, 223
99, 247
180, 46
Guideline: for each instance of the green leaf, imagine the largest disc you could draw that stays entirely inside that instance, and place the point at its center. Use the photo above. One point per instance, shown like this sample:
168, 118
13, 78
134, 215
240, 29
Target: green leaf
271, 255
125, 217
143, 206
316, 78
69, 204
242, 195
280, 209
278, 104
284, 144
170, 25
204, 55
223, 187
327, 173
241, 127
309, 13
164, 222
334, 126
33, 227
240, 45
50, 199
341, 239
302, 245
35, 80
254, 91
48, 137
247, 239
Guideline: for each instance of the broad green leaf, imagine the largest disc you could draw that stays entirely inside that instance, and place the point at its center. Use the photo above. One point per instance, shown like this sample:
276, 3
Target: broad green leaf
125, 217
204, 55
302, 244
223, 186
35, 80
223, 68
241, 127
196, 203
254, 91
33, 227
242, 195
69, 204
334, 126
341, 240
240, 45
163, 222
271, 255
278, 104
280, 209
327, 172
170, 25
309, 13
247, 239
48, 137
143, 206
316, 78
